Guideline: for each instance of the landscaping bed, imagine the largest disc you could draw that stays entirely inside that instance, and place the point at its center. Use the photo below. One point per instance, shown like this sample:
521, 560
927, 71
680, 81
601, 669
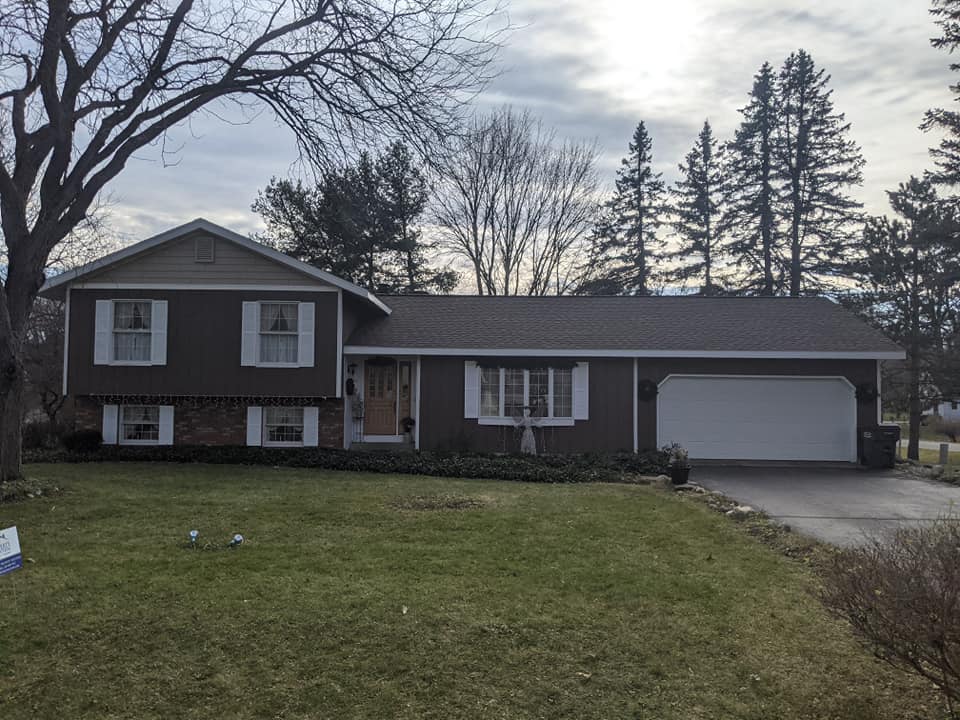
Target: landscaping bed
620, 467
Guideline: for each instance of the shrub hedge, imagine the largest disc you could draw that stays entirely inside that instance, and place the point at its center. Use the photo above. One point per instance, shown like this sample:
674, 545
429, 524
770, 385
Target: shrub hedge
546, 468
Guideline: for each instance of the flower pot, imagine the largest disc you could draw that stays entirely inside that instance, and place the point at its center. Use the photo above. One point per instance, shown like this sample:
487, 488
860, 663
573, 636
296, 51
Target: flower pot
680, 474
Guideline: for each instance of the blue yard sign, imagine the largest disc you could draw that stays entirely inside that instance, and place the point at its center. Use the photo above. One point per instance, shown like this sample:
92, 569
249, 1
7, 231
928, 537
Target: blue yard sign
10, 557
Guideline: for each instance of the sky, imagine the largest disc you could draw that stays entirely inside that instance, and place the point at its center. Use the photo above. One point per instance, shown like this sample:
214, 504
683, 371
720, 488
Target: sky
593, 69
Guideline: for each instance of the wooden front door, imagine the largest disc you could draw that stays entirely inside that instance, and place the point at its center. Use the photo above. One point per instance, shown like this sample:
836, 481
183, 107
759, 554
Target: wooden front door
380, 401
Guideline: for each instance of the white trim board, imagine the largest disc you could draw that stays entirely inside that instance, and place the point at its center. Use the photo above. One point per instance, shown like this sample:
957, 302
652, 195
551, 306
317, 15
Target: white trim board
201, 224
550, 352
201, 286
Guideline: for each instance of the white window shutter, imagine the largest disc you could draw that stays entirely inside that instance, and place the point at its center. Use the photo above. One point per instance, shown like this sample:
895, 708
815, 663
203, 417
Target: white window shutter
166, 425
109, 430
581, 391
250, 332
305, 323
471, 389
103, 337
254, 426
158, 334
311, 426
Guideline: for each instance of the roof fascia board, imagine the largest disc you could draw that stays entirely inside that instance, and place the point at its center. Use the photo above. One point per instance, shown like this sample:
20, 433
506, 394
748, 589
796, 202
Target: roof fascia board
547, 352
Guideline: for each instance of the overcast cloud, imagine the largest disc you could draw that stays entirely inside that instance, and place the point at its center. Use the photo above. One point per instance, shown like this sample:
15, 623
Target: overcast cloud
593, 69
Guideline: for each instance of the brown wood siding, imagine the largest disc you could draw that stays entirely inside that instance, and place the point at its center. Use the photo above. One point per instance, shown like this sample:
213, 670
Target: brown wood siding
656, 369
610, 427
443, 427
203, 348
173, 262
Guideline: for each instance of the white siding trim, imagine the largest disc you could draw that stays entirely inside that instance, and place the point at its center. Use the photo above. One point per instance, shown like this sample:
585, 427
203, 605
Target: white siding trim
636, 409
306, 323
158, 333
311, 426
165, 436
249, 333
416, 417
587, 353
340, 344
581, 391
66, 340
111, 416
471, 389
103, 333
254, 426
200, 286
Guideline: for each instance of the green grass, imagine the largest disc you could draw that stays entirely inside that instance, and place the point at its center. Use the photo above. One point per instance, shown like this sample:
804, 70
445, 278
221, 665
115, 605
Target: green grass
564, 601
932, 457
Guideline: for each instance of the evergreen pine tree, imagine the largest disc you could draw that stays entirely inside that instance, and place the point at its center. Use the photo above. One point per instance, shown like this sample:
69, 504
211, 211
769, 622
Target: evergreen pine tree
696, 210
403, 195
749, 197
627, 245
947, 154
816, 164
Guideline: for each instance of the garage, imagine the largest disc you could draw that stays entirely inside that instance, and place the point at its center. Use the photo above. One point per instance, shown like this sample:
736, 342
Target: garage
729, 417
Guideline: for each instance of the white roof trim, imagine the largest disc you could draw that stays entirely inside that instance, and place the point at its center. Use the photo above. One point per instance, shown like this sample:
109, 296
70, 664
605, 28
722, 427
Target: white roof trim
551, 352
221, 232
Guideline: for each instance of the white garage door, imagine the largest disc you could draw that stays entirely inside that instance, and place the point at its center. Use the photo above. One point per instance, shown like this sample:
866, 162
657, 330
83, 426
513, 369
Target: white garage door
758, 418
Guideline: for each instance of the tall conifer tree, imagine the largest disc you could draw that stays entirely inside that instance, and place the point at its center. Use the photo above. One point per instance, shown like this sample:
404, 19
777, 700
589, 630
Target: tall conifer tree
627, 243
816, 165
697, 198
749, 214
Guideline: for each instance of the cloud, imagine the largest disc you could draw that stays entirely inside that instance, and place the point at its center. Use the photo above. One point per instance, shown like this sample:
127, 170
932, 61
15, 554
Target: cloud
593, 69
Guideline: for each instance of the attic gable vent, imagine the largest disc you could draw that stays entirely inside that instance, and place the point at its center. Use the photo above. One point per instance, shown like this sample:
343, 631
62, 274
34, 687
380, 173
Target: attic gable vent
203, 250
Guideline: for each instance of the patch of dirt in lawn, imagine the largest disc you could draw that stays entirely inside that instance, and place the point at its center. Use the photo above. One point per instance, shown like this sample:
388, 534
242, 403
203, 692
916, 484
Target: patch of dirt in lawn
437, 502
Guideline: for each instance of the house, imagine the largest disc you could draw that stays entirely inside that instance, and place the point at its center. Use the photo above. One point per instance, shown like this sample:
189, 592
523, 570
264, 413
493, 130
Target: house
202, 336
945, 410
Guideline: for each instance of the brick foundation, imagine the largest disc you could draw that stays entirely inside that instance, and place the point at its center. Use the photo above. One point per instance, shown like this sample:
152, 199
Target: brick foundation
197, 421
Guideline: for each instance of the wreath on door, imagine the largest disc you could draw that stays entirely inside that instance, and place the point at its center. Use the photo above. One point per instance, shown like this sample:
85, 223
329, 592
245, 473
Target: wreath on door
647, 390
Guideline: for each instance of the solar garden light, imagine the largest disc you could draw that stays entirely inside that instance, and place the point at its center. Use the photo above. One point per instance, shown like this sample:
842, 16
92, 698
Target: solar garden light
237, 539
194, 534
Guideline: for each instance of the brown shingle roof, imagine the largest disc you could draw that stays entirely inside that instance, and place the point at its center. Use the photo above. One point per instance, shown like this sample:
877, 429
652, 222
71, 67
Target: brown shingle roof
650, 324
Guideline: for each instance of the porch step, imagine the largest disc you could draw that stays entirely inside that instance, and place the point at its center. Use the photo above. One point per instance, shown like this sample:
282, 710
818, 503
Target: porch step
383, 446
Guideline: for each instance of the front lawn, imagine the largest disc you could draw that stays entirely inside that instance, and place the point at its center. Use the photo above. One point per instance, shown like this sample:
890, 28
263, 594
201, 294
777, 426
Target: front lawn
360, 596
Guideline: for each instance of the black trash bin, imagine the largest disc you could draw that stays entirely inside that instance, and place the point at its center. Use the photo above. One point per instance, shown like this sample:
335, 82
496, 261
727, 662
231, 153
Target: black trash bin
879, 446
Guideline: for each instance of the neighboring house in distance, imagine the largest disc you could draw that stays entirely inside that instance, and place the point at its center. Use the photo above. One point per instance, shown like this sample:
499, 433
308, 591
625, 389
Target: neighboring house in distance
203, 336
948, 410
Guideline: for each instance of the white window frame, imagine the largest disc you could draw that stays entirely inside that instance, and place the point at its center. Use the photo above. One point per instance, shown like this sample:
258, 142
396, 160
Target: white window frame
120, 423
266, 435
548, 421
261, 332
113, 332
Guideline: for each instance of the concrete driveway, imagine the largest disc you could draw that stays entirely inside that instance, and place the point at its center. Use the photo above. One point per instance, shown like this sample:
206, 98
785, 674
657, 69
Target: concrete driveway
837, 505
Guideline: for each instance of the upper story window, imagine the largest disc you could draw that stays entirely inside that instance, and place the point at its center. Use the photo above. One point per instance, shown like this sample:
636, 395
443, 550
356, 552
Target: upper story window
132, 334
279, 333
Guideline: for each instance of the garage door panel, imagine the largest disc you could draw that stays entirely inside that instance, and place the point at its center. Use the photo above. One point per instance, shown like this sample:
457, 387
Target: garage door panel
759, 418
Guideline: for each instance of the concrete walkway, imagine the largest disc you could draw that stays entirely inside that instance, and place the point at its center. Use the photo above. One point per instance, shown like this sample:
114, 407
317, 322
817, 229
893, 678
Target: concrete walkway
931, 445
837, 505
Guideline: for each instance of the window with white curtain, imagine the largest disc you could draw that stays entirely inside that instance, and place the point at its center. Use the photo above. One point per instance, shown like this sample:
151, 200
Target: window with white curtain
283, 426
140, 424
508, 392
132, 330
279, 333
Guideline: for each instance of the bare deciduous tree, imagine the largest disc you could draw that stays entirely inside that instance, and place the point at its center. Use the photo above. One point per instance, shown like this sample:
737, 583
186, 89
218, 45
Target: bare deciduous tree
518, 205
84, 84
